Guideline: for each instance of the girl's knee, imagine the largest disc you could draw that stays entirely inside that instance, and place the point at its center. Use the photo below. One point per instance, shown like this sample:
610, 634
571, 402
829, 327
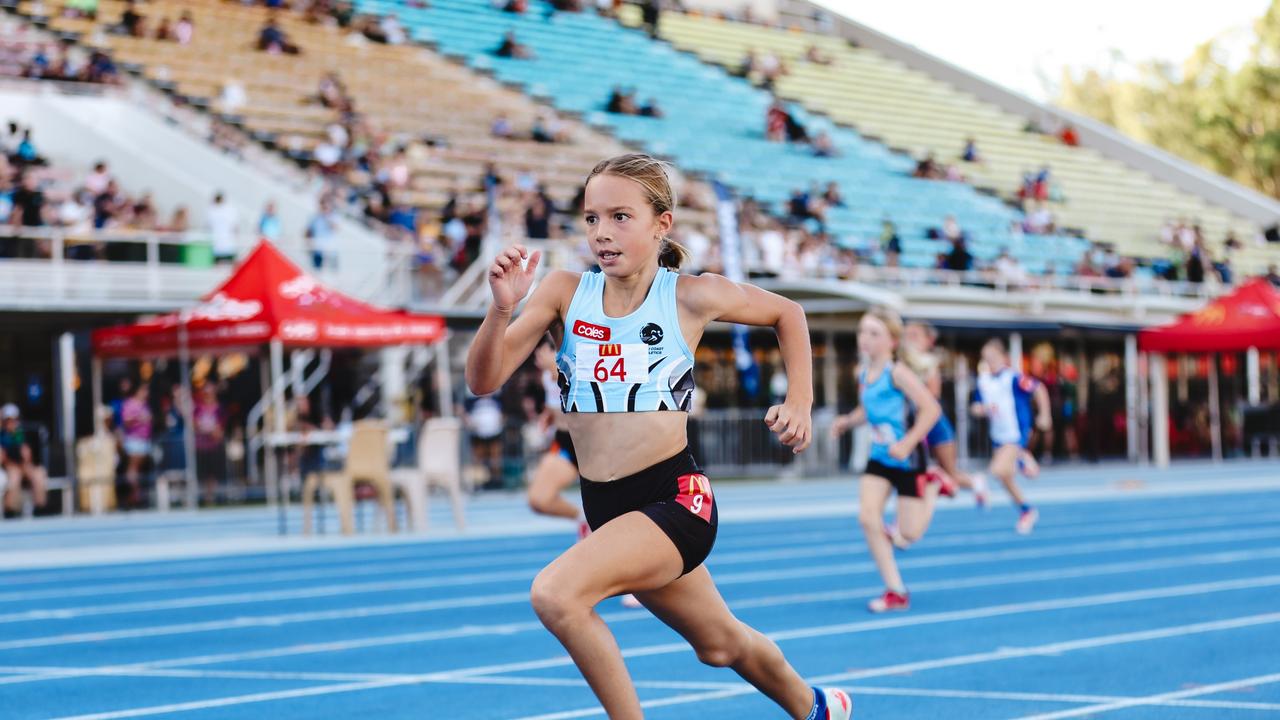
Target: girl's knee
724, 648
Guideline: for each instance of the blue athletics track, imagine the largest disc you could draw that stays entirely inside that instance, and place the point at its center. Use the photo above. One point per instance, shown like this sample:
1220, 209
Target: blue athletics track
1141, 594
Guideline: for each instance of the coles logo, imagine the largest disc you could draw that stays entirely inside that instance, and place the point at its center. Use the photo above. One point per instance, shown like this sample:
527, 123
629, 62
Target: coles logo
593, 332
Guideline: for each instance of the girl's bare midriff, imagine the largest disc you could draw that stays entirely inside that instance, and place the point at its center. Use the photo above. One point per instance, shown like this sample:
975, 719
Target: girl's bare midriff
614, 445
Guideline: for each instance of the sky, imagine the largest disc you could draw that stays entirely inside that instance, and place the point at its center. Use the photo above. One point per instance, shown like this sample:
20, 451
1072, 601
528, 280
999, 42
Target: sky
1017, 42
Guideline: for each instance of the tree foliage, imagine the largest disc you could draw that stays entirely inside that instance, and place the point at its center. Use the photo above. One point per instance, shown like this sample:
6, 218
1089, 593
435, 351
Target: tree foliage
1223, 116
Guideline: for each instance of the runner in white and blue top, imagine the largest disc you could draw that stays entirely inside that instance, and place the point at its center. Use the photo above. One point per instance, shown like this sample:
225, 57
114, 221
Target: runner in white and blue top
1006, 398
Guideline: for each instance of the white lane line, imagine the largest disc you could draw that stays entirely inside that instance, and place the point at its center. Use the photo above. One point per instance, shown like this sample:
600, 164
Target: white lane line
242, 622
349, 562
647, 684
1002, 654
1156, 699
1050, 697
527, 573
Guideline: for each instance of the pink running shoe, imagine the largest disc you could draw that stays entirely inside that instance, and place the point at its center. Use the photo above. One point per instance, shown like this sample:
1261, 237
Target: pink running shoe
890, 601
946, 486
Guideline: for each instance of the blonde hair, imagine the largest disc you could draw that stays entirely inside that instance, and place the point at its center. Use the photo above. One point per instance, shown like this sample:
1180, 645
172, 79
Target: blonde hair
919, 364
651, 174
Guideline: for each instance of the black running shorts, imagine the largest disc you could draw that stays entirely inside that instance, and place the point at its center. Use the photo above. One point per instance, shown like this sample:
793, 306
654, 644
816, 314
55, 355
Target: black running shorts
672, 493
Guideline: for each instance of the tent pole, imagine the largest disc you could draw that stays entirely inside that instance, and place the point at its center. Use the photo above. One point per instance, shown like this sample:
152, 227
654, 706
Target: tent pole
1215, 410
1254, 372
1159, 411
277, 407
1131, 394
188, 413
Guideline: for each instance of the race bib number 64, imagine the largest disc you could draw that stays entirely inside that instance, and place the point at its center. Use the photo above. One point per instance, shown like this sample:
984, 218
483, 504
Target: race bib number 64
613, 362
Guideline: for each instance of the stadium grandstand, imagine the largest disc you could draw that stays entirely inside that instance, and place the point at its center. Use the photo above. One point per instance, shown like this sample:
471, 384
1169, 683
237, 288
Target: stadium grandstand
246, 248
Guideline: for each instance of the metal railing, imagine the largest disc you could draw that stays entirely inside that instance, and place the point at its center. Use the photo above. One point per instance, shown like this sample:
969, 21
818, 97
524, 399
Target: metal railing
52, 267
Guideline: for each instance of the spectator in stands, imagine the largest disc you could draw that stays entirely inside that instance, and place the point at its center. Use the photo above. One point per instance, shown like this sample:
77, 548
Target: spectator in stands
823, 146
798, 207
209, 423
164, 30
1122, 269
19, 462
776, 121
650, 109
232, 97
815, 55
928, 169
136, 417
650, 13
537, 215
178, 222
548, 129
770, 67
1040, 221
747, 65
1273, 276
223, 222
97, 180
1009, 272
951, 231
185, 29
510, 47
501, 127
970, 154
1069, 136
333, 94
1198, 261
832, 196
269, 223
321, 240
959, 259
132, 22
26, 154
10, 137
29, 210
890, 243
517, 7
393, 32
621, 102
273, 40
102, 69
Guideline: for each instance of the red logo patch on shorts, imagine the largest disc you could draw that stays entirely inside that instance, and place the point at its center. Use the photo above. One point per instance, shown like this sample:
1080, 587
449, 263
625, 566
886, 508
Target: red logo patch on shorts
593, 332
695, 495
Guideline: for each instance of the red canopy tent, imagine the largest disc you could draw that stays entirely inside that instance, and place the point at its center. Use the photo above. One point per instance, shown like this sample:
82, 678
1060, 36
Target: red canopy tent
1246, 318
267, 300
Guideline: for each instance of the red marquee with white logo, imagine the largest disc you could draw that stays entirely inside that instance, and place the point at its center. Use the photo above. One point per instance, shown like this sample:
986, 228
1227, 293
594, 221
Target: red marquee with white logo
269, 298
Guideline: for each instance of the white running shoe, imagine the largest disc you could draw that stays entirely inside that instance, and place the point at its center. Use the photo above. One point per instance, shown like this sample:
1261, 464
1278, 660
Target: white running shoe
1027, 521
839, 704
979, 490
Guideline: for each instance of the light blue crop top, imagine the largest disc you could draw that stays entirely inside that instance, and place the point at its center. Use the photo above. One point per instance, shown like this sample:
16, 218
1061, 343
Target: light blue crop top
635, 363
890, 415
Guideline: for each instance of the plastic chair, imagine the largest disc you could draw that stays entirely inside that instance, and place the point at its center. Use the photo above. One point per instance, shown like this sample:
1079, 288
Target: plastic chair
96, 460
439, 465
368, 460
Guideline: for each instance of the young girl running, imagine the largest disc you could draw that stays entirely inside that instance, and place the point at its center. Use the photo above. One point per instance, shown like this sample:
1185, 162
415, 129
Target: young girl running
627, 339
890, 395
1005, 398
920, 337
